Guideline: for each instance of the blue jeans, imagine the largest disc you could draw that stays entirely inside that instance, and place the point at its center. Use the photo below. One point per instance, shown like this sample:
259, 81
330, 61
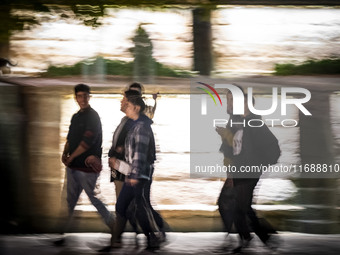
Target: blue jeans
77, 181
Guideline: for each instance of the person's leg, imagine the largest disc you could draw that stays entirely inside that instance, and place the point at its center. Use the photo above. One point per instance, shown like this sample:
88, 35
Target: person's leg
125, 197
241, 209
131, 216
226, 204
226, 208
118, 187
260, 230
143, 212
157, 217
145, 216
243, 203
73, 191
88, 182
132, 210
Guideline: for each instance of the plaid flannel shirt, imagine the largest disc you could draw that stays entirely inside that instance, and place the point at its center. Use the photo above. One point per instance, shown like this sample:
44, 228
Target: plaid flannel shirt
137, 149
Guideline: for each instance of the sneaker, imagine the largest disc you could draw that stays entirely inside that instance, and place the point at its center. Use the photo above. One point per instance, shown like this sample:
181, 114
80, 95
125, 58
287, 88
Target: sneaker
153, 243
136, 240
110, 247
237, 250
244, 244
162, 236
105, 249
225, 247
273, 242
60, 242
163, 240
115, 245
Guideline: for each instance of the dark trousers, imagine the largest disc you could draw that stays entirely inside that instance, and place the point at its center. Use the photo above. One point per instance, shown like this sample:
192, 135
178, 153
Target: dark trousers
243, 211
149, 220
226, 204
157, 217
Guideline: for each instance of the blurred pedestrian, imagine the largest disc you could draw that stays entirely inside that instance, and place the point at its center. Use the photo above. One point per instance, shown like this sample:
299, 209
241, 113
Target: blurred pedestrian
140, 154
137, 166
118, 140
82, 157
251, 146
149, 109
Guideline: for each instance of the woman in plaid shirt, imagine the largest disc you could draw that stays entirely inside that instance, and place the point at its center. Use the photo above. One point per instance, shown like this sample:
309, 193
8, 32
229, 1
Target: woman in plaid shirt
140, 155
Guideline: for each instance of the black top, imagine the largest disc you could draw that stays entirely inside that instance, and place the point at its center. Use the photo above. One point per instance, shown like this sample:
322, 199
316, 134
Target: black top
85, 129
120, 136
259, 148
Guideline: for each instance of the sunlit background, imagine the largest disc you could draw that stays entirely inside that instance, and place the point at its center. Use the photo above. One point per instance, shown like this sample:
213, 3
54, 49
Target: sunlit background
245, 39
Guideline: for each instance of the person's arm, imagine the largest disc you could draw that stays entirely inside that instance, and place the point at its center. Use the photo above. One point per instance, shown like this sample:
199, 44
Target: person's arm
78, 151
68, 158
154, 96
225, 134
65, 153
118, 139
90, 135
150, 110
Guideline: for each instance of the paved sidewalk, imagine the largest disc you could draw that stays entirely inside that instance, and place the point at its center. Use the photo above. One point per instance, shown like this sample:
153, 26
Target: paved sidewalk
179, 243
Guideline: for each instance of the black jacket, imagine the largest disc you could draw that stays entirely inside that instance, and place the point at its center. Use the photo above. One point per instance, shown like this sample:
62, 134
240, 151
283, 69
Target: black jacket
259, 147
85, 129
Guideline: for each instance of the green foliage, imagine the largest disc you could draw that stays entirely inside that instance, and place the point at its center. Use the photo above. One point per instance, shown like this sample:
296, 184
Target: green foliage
100, 65
117, 67
162, 70
142, 68
325, 66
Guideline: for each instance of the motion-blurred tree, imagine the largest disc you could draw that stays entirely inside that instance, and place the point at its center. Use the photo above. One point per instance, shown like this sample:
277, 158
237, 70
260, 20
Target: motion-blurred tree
143, 64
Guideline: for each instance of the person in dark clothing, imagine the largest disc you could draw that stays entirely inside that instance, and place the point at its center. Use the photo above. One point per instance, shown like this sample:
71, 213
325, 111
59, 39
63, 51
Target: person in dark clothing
118, 140
117, 152
226, 200
257, 145
140, 154
251, 146
136, 195
82, 157
149, 109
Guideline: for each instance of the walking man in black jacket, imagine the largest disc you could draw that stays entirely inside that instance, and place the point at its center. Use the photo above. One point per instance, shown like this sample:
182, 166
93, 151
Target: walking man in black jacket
82, 157
249, 146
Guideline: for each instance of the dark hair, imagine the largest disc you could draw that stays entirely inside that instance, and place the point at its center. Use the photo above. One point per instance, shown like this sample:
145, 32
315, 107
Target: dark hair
82, 88
137, 86
131, 93
135, 98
